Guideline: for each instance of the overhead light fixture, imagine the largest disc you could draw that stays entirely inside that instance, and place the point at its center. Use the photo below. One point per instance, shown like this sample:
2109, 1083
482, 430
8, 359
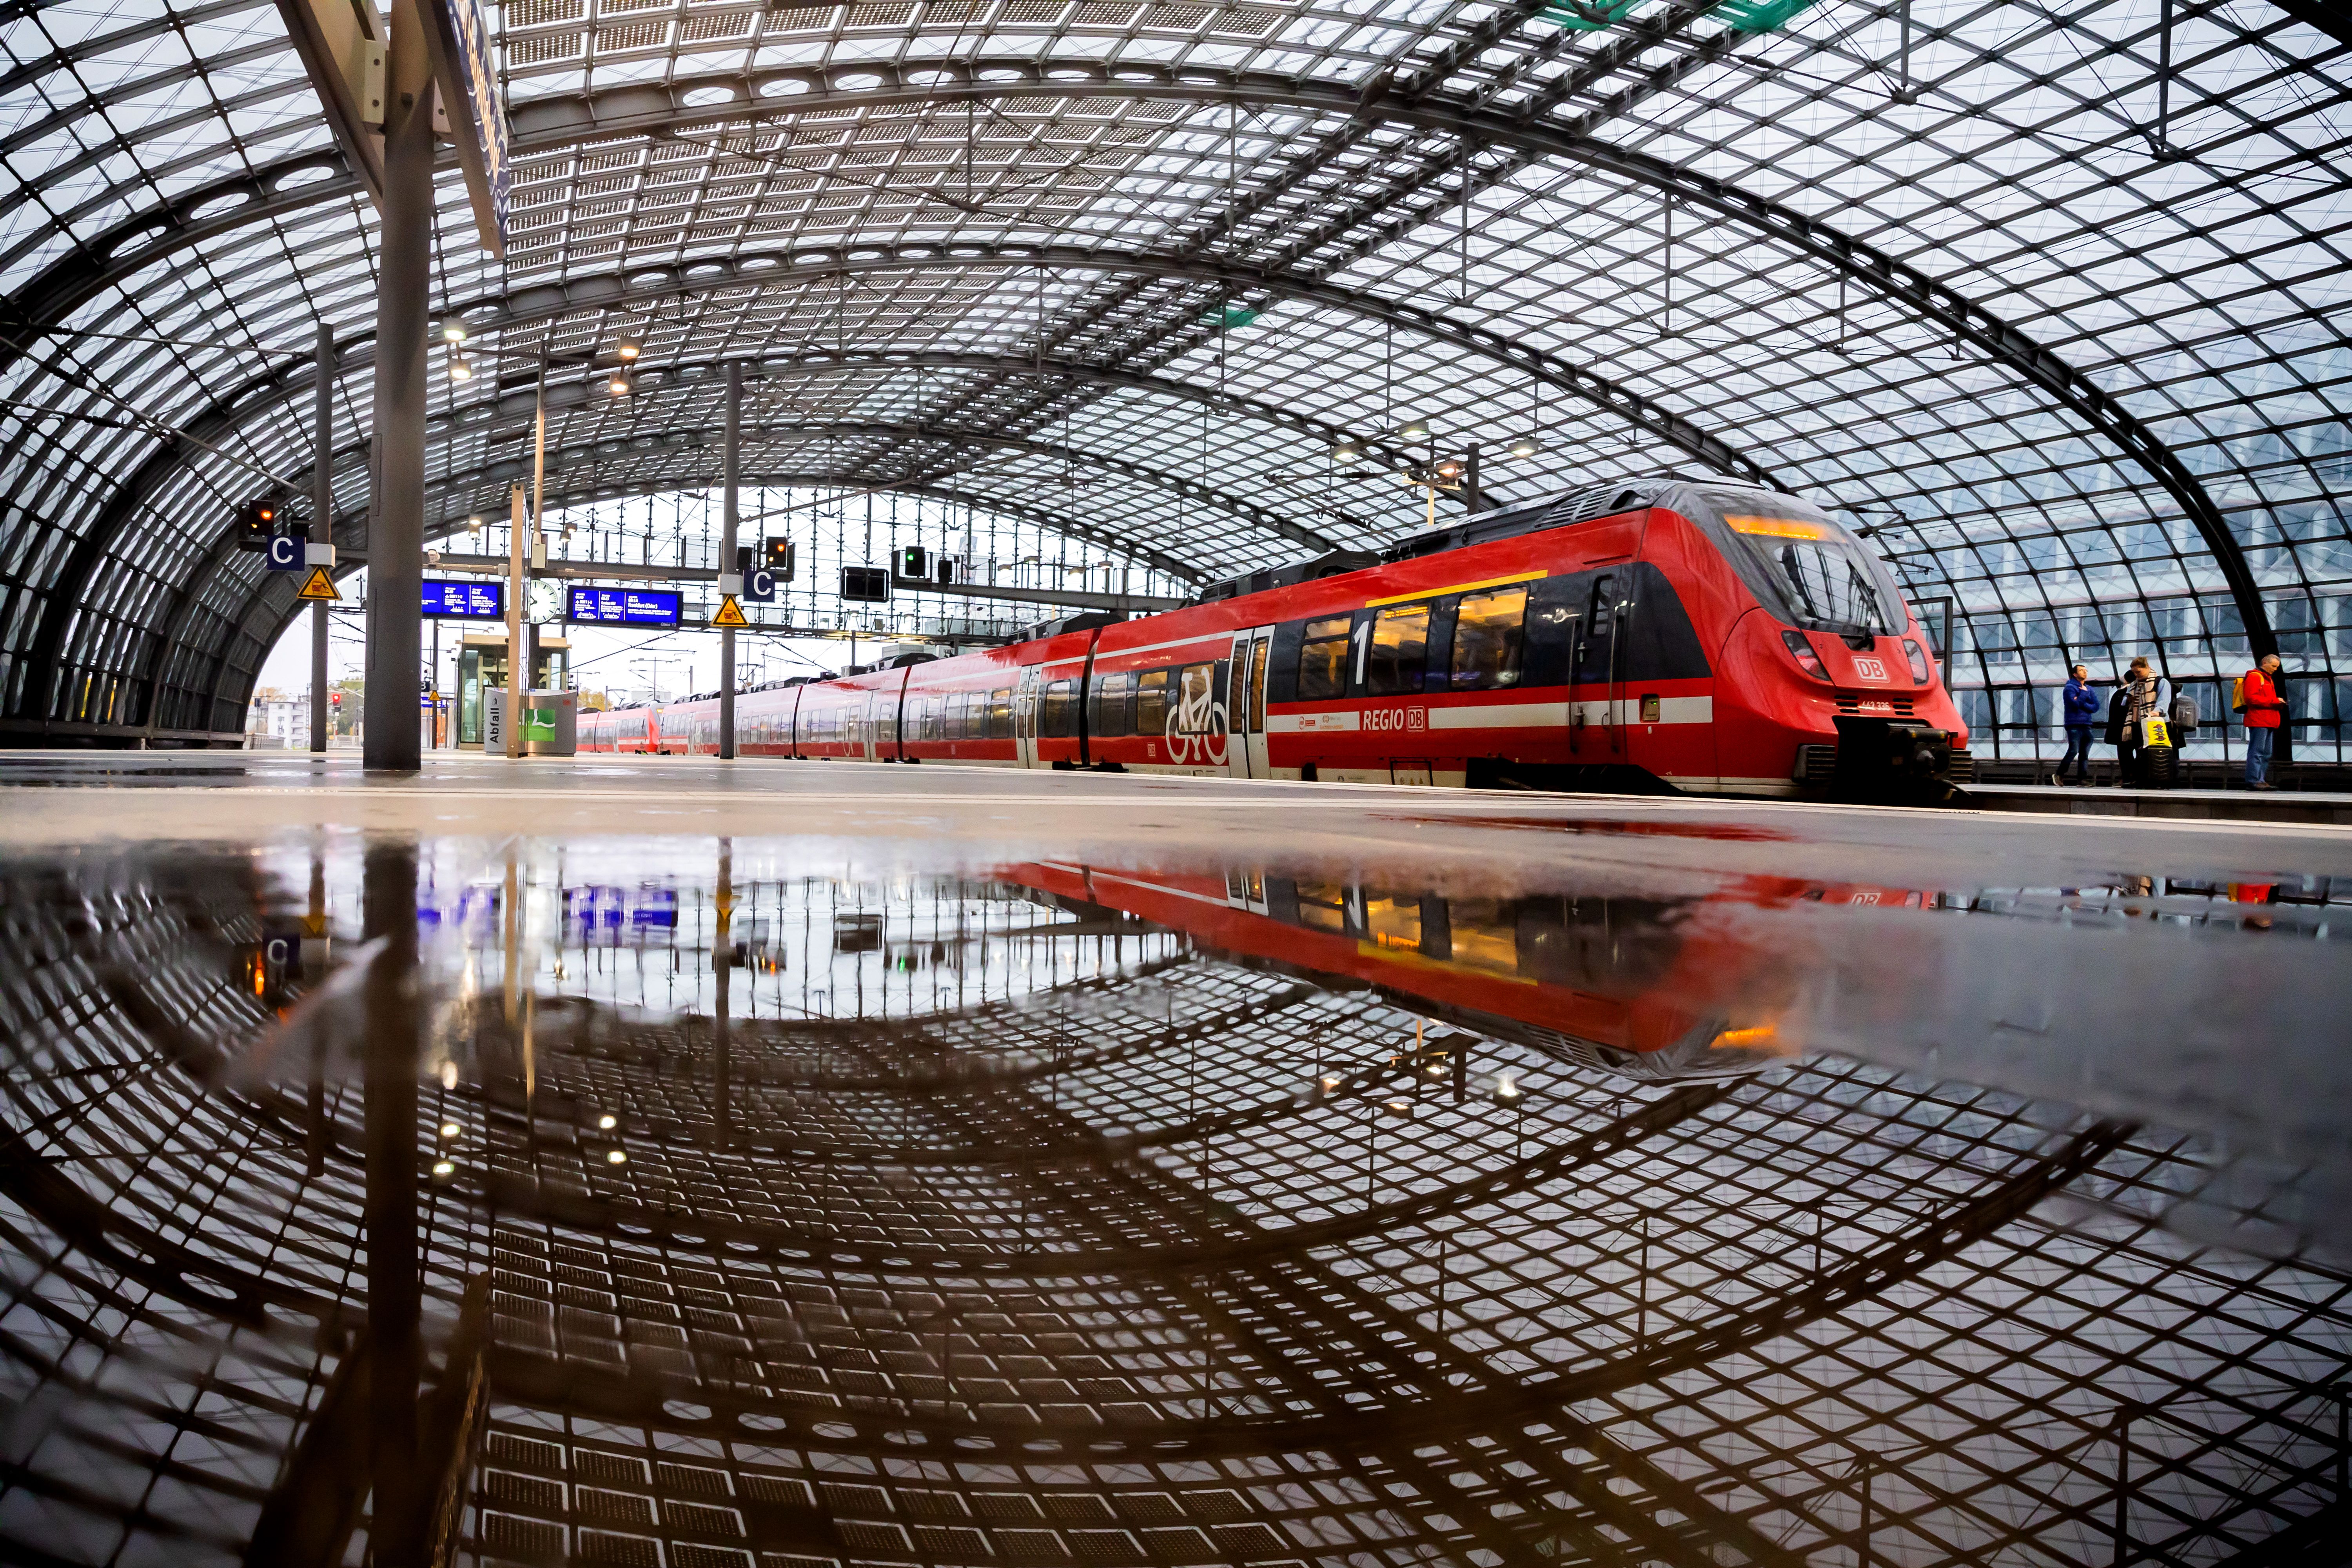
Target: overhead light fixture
1415, 430
1507, 1089
451, 1129
461, 368
607, 1122
443, 1168
616, 1158
453, 330
1524, 446
630, 348
473, 525
1449, 469
1347, 450
619, 385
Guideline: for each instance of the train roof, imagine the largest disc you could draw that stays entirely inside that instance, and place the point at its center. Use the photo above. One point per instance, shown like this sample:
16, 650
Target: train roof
1562, 508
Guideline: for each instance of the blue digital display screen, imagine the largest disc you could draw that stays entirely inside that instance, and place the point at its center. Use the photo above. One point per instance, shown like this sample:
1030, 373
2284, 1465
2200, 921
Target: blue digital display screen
483, 601
625, 606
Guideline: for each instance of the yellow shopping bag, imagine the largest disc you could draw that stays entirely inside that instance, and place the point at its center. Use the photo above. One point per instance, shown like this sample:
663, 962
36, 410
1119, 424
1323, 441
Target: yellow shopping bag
2155, 732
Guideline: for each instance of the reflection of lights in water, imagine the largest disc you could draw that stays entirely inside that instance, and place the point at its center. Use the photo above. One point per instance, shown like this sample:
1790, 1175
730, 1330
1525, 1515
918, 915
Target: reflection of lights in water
606, 1123
451, 1129
616, 1158
448, 1075
443, 1168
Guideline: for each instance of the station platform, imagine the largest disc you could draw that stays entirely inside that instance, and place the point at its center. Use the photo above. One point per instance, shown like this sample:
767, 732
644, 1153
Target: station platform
2315, 808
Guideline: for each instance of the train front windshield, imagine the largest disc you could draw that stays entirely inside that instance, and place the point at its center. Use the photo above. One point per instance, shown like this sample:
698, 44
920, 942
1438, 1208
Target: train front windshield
1820, 575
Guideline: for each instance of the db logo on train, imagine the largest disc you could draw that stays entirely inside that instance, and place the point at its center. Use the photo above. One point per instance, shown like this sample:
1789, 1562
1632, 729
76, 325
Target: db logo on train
1197, 726
1871, 670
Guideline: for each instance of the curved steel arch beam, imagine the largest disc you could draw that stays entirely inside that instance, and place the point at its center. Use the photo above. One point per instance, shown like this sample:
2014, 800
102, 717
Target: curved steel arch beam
854, 86
689, 377
293, 381
265, 618
538, 302
551, 123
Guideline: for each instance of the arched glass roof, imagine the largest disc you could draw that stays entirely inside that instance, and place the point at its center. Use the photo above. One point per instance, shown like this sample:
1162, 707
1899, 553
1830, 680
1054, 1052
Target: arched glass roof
2049, 296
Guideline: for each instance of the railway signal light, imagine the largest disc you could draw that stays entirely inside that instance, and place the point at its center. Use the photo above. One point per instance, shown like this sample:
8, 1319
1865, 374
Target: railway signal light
914, 561
257, 521
866, 584
780, 558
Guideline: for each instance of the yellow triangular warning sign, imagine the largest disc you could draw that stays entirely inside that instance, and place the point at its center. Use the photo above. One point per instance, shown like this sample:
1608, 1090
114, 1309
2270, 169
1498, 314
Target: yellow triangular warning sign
318, 585
730, 614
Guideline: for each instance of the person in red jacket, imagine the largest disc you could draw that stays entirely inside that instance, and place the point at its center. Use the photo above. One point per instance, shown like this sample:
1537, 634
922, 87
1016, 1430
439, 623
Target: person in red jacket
2264, 706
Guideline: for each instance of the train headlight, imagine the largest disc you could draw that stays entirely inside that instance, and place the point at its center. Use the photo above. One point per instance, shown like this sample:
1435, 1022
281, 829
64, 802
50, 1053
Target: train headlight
1919, 658
1802, 652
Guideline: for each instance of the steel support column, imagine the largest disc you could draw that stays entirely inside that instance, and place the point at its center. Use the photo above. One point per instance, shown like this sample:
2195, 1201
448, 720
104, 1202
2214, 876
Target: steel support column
396, 520
323, 521
731, 480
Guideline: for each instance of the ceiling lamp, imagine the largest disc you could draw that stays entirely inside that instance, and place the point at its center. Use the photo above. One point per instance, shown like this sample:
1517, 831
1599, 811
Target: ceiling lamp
630, 349
1451, 468
1524, 446
453, 330
1347, 450
461, 368
1415, 430
473, 525
619, 385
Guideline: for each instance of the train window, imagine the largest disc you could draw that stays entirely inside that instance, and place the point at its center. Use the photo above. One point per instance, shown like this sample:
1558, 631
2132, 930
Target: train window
1193, 713
1057, 717
1393, 923
1399, 650
1484, 935
1323, 658
1152, 702
1113, 717
1256, 687
1323, 906
1487, 636
1000, 714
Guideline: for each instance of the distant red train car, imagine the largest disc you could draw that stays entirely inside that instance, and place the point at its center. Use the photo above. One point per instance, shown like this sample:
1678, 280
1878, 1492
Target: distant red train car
1691, 635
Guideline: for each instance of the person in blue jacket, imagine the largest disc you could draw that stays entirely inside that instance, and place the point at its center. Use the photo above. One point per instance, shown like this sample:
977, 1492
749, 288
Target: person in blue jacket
2082, 715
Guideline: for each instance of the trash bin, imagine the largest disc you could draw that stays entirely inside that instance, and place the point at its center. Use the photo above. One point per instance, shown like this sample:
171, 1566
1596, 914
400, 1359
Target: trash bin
551, 724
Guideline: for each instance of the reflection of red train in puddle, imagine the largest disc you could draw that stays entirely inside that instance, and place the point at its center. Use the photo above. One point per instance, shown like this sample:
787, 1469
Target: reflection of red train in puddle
1650, 988
1707, 638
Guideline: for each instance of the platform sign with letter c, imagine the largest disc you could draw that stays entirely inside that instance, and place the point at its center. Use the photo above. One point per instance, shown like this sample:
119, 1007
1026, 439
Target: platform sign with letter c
758, 586
285, 552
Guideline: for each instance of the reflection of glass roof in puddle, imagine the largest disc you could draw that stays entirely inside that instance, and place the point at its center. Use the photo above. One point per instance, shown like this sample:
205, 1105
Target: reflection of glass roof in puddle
1090, 1214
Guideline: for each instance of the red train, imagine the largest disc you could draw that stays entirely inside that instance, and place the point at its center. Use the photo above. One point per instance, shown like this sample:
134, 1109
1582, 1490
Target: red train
1698, 635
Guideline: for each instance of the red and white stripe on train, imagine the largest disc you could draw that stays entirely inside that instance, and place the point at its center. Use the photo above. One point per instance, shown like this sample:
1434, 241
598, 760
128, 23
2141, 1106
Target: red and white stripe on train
1698, 636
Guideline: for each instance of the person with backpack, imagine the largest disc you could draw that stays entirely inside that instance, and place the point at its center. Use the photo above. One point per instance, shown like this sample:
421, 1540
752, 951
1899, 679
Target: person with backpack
2082, 712
2258, 698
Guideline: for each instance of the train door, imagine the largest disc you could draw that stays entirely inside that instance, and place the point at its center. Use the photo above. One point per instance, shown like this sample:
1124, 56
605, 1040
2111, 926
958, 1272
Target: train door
1245, 751
1596, 731
867, 717
1025, 715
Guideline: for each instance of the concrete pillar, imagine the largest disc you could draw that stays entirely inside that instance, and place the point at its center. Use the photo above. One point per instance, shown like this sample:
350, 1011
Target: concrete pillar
403, 273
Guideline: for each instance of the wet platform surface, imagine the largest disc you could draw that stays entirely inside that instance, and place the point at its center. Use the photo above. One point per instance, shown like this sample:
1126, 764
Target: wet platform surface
792, 1163
2315, 808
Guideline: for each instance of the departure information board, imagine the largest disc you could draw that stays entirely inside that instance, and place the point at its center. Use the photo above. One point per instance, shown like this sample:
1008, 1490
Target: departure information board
463, 601
625, 606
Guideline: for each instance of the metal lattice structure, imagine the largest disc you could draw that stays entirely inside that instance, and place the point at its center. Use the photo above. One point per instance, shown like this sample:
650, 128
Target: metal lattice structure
1014, 1236
2048, 297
